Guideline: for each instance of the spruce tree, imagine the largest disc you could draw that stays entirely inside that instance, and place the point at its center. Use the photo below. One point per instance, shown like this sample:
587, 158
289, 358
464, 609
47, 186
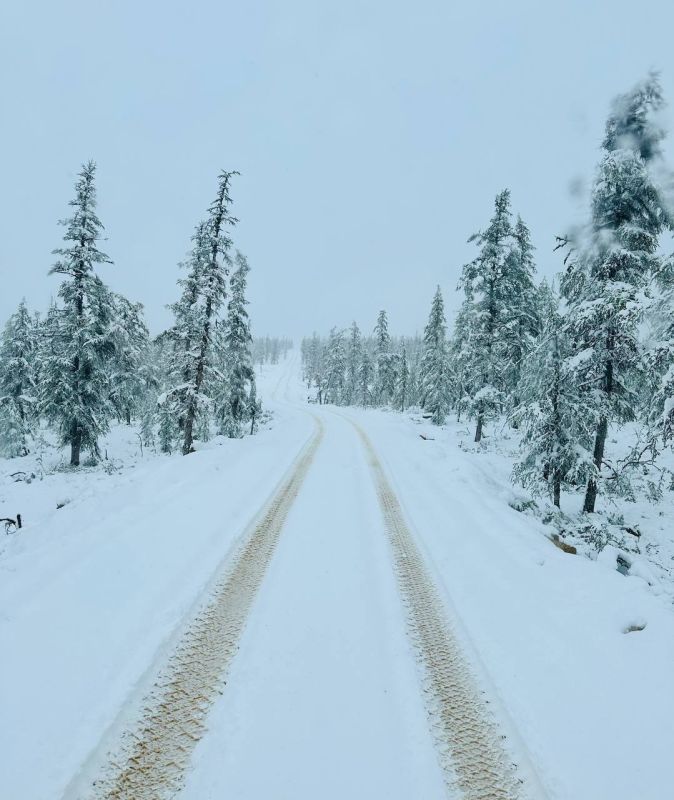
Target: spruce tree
335, 367
556, 438
403, 389
75, 391
18, 355
659, 374
521, 323
484, 317
434, 366
605, 282
237, 353
211, 279
385, 373
131, 372
353, 360
365, 379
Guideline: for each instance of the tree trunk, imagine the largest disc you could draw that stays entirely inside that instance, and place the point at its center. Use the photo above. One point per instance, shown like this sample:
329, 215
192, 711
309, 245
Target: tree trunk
188, 439
600, 438
75, 446
556, 487
478, 429
598, 458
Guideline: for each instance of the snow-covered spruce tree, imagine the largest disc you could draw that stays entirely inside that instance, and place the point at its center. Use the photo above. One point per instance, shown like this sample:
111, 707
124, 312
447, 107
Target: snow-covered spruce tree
384, 389
237, 353
522, 322
211, 279
75, 386
403, 386
353, 360
131, 372
335, 367
556, 439
460, 355
434, 367
311, 359
413, 359
605, 281
184, 335
484, 316
18, 351
159, 410
659, 384
365, 379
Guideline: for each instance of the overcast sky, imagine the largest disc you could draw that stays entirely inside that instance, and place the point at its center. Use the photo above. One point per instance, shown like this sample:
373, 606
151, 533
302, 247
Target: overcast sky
371, 138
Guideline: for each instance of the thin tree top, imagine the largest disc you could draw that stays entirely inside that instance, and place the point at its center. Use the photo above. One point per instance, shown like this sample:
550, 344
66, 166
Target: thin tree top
83, 228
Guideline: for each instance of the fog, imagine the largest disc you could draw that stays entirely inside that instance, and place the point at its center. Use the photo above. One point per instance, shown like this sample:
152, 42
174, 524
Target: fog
371, 139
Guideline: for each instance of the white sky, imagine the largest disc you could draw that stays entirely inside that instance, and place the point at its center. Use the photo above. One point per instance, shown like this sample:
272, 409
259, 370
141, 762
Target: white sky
371, 138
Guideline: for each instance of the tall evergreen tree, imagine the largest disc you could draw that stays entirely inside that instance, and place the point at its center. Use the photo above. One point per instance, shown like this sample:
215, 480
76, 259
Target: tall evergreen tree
130, 368
353, 360
335, 367
365, 379
604, 284
403, 388
75, 394
238, 355
521, 325
17, 383
556, 438
211, 280
434, 363
385, 371
485, 315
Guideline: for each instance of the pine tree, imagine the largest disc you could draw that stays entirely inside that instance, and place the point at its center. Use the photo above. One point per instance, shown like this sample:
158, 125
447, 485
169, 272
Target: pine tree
18, 417
434, 363
485, 315
604, 284
75, 391
556, 438
237, 352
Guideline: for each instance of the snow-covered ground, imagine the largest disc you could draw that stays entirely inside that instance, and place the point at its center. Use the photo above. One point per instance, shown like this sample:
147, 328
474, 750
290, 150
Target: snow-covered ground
593, 704
91, 593
323, 698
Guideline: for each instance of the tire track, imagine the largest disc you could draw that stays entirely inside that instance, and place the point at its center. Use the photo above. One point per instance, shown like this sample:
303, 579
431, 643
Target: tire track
153, 754
471, 747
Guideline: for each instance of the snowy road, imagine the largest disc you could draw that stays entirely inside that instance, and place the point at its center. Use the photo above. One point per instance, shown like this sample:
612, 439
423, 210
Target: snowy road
323, 700
348, 681
362, 621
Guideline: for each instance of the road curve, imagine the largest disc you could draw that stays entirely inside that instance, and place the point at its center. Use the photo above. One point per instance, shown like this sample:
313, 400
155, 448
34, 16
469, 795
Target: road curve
152, 755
